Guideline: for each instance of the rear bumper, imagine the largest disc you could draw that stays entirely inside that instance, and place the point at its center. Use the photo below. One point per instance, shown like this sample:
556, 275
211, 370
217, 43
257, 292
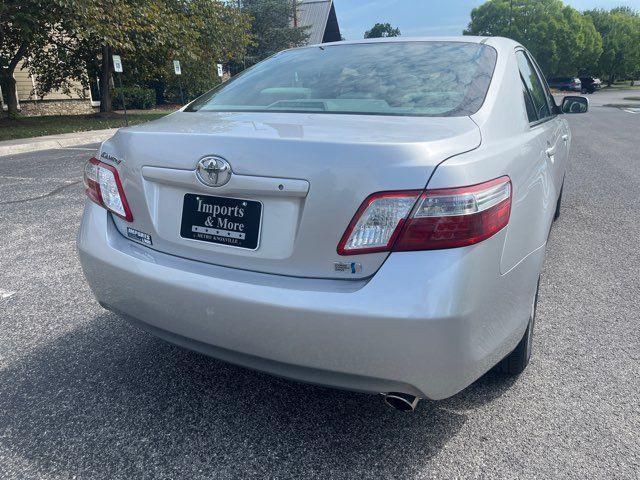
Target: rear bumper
428, 323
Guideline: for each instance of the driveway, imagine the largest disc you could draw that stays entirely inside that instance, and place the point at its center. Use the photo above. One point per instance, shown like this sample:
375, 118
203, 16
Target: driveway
85, 395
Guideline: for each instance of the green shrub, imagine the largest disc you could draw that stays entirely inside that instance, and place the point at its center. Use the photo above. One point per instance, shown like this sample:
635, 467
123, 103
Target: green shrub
134, 97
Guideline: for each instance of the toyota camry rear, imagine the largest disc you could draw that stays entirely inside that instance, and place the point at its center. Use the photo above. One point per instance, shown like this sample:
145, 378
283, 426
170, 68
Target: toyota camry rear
366, 215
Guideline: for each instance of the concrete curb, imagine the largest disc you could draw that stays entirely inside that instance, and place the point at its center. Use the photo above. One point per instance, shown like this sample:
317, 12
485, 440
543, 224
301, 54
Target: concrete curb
25, 145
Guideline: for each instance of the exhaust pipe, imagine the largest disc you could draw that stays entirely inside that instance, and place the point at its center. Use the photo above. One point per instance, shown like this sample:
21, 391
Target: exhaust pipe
401, 401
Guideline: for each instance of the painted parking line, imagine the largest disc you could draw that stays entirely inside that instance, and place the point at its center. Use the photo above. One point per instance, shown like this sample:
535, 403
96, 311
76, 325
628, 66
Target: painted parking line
5, 294
632, 110
79, 148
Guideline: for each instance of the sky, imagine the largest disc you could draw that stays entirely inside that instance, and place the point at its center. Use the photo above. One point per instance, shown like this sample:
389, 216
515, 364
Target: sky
428, 17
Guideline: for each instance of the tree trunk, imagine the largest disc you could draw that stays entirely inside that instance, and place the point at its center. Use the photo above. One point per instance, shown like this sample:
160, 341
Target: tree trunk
105, 80
8, 85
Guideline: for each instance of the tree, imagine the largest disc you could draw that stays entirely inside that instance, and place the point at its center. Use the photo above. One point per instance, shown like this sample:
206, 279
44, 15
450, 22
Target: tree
382, 30
28, 27
272, 28
125, 27
148, 34
222, 36
620, 31
215, 32
94, 31
563, 41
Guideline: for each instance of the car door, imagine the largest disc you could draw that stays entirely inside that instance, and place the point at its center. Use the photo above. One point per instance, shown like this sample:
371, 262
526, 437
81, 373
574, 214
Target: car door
532, 213
549, 131
558, 151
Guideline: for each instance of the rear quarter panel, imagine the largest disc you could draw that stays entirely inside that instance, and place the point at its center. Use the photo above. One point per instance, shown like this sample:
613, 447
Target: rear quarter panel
510, 147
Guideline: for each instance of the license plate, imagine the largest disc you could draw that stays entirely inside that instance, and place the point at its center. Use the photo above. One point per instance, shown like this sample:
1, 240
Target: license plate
227, 221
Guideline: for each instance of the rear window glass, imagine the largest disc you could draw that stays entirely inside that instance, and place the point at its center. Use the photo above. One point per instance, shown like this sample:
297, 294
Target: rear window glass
394, 78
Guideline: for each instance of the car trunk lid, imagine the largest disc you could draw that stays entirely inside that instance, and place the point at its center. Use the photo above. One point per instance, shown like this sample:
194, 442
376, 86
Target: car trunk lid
308, 172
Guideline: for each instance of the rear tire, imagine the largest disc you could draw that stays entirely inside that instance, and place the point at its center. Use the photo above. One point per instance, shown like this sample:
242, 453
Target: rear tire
556, 214
518, 359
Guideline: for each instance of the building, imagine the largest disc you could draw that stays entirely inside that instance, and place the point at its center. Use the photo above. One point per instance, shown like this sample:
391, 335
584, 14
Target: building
320, 18
78, 101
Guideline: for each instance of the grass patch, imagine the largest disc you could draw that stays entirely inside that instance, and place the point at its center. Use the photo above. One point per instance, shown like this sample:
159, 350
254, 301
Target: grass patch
623, 86
27, 127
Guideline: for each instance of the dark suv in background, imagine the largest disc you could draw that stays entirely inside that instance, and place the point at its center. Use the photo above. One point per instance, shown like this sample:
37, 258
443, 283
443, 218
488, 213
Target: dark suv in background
590, 84
571, 84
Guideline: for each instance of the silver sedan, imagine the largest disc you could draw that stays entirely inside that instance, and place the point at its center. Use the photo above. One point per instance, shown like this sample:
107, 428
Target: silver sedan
366, 215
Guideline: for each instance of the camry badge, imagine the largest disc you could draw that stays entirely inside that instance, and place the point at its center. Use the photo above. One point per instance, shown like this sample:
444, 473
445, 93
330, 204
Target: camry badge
213, 171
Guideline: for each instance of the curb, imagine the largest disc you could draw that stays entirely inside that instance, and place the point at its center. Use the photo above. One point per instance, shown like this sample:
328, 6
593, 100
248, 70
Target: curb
25, 145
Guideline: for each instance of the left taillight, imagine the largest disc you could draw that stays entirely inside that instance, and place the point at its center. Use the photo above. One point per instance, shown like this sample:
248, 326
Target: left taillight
103, 186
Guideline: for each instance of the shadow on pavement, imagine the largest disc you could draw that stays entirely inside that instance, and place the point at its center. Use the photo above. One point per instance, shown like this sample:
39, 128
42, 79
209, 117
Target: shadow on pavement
110, 401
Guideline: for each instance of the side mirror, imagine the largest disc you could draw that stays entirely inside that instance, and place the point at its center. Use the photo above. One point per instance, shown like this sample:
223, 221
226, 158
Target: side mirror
572, 104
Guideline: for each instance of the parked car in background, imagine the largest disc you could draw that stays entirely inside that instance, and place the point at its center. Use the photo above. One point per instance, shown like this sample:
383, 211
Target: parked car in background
565, 84
368, 215
590, 84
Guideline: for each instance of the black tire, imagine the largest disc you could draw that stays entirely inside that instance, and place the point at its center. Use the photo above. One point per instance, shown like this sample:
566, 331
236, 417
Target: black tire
518, 359
556, 214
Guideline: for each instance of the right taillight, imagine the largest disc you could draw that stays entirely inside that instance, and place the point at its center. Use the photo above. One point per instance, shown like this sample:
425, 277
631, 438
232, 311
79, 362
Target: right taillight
433, 219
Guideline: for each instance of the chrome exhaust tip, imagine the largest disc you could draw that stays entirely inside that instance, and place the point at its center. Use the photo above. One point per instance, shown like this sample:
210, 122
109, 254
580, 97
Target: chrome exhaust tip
401, 401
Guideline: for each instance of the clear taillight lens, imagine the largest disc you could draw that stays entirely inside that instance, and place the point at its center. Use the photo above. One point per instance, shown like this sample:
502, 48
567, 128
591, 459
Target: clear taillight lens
103, 186
434, 219
377, 222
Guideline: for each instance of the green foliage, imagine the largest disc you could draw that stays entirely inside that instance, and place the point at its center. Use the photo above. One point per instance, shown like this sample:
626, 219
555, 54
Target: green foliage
148, 35
198, 77
215, 33
271, 28
620, 31
563, 41
28, 28
382, 30
222, 34
134, 97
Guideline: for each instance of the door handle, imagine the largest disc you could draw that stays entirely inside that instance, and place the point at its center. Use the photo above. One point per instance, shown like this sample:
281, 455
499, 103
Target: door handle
551, 151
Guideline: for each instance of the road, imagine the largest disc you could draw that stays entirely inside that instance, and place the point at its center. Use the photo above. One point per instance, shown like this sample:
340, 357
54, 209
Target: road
85, 395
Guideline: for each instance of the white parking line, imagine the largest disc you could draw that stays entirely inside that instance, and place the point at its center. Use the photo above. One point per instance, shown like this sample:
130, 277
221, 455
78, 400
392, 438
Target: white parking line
632, 110
5, 294
79, 148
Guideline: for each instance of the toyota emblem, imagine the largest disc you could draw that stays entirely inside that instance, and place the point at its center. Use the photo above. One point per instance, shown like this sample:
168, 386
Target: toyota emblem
213, 171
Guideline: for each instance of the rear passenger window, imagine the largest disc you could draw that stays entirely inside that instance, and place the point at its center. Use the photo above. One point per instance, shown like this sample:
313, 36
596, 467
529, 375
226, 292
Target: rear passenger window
532, 82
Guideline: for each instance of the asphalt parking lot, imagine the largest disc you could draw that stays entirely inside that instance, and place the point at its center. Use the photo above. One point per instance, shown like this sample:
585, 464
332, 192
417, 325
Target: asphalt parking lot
85, 395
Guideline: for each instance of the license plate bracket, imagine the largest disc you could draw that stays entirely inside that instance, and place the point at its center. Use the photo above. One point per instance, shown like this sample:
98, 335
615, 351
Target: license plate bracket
234, 222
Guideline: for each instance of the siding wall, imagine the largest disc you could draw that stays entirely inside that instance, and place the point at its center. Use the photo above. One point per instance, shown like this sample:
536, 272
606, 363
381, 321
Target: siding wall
24, 85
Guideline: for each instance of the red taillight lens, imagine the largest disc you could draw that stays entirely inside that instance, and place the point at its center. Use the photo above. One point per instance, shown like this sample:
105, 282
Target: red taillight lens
434, 219
103, 186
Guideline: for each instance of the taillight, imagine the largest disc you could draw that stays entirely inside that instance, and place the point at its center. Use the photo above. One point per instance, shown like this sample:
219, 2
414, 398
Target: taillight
103, 186
433, 219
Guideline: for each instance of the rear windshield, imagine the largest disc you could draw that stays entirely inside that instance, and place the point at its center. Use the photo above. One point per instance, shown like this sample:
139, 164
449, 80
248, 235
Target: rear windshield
395, 78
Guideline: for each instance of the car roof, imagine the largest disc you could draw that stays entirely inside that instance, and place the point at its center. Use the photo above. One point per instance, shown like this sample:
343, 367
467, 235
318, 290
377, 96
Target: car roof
501, 44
